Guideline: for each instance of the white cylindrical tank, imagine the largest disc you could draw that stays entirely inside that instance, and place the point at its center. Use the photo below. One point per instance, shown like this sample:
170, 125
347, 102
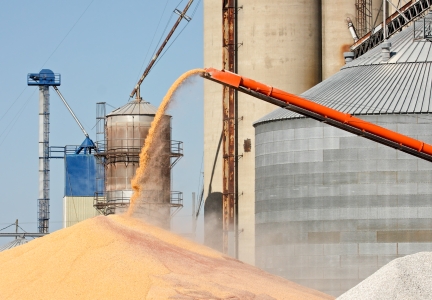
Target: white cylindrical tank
336, 38
279, 42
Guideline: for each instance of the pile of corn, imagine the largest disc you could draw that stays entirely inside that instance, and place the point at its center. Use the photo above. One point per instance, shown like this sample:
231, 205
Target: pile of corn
118, 257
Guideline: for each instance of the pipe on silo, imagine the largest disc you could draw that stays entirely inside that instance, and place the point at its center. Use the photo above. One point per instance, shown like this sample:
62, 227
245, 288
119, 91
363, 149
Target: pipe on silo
335, 38
348, 56
352, 30
385, 51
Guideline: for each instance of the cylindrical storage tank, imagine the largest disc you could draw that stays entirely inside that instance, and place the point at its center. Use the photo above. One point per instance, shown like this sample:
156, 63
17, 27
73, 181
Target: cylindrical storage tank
332, 207
336, 38
279, 42
126, 130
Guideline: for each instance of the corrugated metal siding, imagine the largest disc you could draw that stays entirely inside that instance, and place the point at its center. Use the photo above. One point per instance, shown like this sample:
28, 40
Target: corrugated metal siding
332, 208
135, 108
77, 209
368, 86
13, 244
80, 175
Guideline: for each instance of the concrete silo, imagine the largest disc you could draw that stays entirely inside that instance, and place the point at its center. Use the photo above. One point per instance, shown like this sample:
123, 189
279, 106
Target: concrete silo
279, 43
126, 130
331, 207
336, 39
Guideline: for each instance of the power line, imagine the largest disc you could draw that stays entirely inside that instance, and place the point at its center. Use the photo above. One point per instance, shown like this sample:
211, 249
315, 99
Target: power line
15, 119
151, 42
169, 46
7, 226
22, 229
70, 30
13, 103
11, 125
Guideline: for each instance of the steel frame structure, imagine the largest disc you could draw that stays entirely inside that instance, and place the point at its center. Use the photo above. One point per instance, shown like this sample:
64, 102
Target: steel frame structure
363, 16
228, 116
403, 16
44, 163
44, 79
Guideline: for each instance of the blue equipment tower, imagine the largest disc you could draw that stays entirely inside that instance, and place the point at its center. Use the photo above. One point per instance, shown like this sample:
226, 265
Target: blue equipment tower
44, 79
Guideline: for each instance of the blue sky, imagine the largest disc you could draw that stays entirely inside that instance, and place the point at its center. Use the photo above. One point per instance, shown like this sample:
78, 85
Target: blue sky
100, 48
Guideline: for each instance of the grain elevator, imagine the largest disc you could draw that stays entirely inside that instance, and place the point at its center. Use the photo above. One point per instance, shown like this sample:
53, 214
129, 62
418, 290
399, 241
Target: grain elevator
124, 131
317, 205
292, 45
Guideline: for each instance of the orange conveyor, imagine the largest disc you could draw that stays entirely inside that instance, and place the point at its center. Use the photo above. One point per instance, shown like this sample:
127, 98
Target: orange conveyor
321, 113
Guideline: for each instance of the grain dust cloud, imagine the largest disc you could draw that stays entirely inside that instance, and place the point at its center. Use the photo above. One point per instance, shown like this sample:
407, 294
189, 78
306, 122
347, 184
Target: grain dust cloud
151, 162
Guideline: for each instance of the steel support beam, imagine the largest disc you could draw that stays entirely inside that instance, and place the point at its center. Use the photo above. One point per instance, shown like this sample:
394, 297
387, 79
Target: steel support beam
22, 234
228, 111
182, 15
403, 16
44, 169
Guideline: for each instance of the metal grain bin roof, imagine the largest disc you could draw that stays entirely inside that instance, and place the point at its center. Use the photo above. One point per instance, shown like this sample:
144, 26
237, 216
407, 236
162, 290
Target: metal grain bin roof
135, 108
369, 86
13, 244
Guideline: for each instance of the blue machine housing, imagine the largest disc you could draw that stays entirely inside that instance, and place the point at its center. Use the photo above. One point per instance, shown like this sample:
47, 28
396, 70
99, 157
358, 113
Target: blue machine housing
44, 77
80, 171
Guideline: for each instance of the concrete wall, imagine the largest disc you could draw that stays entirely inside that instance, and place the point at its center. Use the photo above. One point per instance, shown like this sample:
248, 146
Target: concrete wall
332, 208
377, 12
336, 38
212, 95
281, 46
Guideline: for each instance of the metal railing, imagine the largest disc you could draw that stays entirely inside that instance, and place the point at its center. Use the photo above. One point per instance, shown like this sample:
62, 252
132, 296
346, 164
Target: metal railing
410, 12
176, 152
423, 30
53, 79
107, 202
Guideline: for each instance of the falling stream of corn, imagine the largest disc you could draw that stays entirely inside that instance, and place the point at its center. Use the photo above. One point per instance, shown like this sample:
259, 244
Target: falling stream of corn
149, 141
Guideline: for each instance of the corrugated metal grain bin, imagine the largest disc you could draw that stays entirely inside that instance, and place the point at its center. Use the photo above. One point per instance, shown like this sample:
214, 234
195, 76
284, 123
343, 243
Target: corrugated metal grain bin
332, 208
